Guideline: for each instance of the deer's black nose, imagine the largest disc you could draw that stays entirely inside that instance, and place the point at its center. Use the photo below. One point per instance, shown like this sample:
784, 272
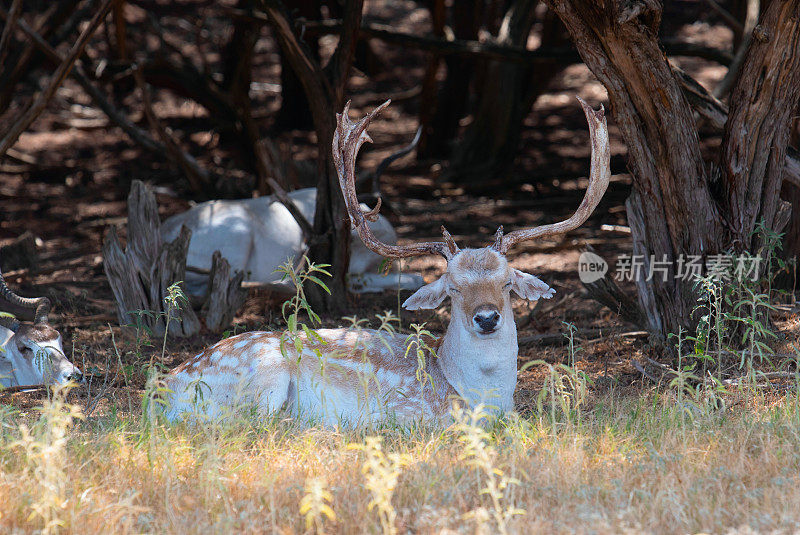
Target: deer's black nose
76, 376
486, 320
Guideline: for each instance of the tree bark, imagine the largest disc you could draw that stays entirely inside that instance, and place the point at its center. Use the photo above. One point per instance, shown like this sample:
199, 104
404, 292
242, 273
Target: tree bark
324, 89
757, 133
683, 210
225, 295
429, 95
140, 274
294, 113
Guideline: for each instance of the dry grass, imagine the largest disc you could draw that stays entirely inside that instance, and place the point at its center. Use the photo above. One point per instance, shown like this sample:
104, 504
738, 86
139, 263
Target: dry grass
627, 465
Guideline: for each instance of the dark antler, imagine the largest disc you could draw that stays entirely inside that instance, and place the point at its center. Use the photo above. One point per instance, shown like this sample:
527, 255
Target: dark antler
347, 140
41, 305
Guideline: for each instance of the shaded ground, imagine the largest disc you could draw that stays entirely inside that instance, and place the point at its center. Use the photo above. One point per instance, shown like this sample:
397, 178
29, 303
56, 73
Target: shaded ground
73, 174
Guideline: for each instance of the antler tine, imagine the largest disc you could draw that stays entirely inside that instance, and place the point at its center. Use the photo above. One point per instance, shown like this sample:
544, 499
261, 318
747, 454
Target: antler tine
40, 305
449, 241
347, 140
599, 176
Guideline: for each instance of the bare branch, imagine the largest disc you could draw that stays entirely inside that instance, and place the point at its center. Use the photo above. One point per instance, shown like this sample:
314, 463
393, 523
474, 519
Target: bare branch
8, 30
725, 85
386, 162
716, 113
198, 177
726, 15
30, 115
285, 200
120, 119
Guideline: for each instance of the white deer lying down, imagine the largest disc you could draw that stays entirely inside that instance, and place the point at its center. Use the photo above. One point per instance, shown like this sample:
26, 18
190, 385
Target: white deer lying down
31, 353
258, 235
364, 375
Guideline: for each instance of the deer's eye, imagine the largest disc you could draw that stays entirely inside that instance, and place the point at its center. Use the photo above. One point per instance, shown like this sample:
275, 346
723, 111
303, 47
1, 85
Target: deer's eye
507, 285
455, 290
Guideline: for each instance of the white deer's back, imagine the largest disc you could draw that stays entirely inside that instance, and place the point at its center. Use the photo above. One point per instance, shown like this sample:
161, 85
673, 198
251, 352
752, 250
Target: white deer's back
258, 235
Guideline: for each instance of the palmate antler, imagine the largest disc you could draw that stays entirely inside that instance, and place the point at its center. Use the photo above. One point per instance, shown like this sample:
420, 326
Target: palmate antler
40, 305
347, 140
599, 175
349, 137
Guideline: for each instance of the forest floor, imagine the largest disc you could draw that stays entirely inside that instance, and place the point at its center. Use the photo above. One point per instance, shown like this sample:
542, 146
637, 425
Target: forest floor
70, 181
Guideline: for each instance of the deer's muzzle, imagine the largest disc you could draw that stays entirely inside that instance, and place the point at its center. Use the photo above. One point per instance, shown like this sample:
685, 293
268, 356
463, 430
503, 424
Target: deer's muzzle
486, 318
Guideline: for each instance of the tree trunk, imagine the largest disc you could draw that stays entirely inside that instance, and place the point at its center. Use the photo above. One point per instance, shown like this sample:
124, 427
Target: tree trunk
787, 279
759, 122
790, 250
507, 93
324, 90
453, 97
428, 98
295, 113
682, 209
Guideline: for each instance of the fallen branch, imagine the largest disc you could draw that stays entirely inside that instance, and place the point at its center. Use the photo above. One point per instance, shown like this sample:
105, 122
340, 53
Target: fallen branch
22, 388
643, 371
701, 101
586, 334
281, 288
762, 375
30, 115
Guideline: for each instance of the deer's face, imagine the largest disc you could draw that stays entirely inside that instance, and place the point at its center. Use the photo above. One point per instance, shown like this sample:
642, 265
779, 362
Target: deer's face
37, 357
479, 283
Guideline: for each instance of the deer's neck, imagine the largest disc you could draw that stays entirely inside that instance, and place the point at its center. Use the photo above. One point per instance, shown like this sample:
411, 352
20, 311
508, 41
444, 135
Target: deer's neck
481, 369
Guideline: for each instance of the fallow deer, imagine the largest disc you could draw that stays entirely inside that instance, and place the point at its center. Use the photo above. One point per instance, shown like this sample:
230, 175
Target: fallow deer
257, 235
31, 352
365, 374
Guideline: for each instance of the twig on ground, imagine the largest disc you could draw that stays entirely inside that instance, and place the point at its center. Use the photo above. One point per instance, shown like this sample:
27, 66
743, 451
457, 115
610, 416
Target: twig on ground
93, 401
638, 366
559, 338
22, 388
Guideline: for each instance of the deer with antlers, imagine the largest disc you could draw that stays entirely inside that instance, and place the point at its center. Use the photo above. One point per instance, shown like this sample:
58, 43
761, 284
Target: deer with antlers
366, 374
31, 353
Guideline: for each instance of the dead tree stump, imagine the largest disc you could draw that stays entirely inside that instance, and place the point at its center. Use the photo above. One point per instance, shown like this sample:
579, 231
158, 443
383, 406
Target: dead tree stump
225, 294
141, 273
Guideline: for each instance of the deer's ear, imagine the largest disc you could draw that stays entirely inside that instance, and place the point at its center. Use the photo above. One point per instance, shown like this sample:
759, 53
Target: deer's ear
529, 287
429, 296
